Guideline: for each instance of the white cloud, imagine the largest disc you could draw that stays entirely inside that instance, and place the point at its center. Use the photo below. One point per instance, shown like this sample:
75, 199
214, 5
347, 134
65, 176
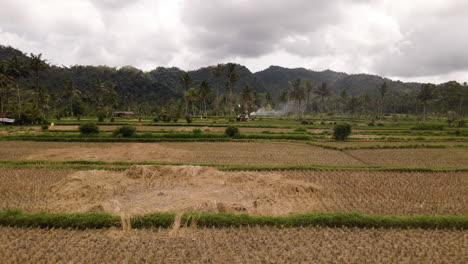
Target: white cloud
408, 40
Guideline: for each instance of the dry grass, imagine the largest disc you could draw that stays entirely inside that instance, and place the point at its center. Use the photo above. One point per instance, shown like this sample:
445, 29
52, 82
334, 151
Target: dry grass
190, 152
244, 245
455, 157
261, 193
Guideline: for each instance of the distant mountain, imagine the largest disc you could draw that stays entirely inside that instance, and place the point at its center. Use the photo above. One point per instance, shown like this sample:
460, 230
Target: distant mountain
161, 84
276, 78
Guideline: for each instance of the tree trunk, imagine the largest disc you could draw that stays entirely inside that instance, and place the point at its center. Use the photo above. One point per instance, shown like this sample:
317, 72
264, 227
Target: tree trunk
424, 111
19, 99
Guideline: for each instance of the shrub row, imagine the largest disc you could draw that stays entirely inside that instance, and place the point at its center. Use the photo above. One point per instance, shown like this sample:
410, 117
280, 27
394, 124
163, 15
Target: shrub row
165, 220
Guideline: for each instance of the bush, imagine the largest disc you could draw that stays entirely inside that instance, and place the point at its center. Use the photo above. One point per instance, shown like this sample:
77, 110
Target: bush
175, 119
300, 129
100, 115
89, 128
45, 125
461, 123
305, 122
341, 131
165, 117
196, 131
371, 124
112, 119
156, 119
125, 131
380, 124
232, 131
428, 127
188, 119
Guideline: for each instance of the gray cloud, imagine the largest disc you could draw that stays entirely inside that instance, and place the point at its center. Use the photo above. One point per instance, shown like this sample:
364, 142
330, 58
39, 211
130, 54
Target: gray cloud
412, 40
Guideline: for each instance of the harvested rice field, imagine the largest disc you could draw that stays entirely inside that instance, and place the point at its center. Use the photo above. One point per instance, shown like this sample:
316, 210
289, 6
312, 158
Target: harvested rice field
148, 189
236, 245
449, 157
190, 152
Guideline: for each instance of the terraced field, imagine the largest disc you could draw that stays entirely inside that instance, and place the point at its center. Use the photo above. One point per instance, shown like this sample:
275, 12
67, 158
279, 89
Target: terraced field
244, 245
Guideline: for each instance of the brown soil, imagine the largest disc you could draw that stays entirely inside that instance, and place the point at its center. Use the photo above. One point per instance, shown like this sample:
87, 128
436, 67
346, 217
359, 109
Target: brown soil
148, 189
184, 152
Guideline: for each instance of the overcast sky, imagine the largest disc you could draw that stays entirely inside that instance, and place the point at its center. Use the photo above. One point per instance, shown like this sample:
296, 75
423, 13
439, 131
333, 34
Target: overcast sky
411, 40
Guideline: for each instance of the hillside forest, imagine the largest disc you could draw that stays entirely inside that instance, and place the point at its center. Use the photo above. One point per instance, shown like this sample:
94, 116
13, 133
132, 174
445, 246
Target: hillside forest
32, 90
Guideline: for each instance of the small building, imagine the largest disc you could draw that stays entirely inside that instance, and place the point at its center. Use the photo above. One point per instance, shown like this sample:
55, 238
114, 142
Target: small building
123, 113
5, 118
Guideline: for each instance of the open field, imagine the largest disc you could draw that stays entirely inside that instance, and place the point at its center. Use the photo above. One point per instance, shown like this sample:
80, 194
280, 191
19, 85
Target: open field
232, 153
148, 189
191, 152
233, 245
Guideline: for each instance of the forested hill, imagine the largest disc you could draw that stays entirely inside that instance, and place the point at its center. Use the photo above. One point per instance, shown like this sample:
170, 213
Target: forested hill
162, 84
276, 78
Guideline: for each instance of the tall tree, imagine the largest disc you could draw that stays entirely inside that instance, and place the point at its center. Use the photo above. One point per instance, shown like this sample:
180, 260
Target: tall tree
426, 94
297, 94
204, 90
309, 88
15, 70
72, 93
37, 64
322, 91
232, 78
186, 80
383, 90
248, 98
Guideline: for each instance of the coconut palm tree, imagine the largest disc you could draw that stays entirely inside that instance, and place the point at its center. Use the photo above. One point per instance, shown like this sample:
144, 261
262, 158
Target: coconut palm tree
37, 64
232, 78
322, 91
426, 94
192, 96
297, 94
15, 70
203, 91
383, 91
71, 93
186, 80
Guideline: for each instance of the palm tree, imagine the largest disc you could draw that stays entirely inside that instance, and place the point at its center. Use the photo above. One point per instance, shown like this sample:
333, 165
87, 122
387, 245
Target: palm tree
426, 93
203, 91
247, 97
217, 72
192, 96
37, 64
383, 92
309, 87
186, 81
323, 92
15, 70
297, 94
5, 83
71, 93
232, 78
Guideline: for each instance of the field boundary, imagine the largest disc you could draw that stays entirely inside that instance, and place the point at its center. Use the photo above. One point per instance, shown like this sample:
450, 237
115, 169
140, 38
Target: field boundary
123, 165
18, 218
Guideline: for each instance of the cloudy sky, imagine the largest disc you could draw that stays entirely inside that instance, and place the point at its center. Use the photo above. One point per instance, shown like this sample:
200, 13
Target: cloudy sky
411, 40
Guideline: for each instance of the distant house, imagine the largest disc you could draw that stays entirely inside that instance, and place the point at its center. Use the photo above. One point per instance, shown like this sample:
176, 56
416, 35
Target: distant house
5, 118
123, 113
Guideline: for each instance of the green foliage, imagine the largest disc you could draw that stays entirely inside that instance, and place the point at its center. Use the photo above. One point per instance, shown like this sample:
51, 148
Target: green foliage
371, 124
341, 131
306, 122
424, 126
175, 119
165, 117
45, 125
197, 131
100, 115
380, 124
188, 119
156, 119
232, 131
17, 218
88, 129
300, 129
124, 131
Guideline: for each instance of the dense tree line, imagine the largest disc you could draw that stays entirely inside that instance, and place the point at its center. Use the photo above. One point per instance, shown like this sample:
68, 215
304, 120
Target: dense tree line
32, 90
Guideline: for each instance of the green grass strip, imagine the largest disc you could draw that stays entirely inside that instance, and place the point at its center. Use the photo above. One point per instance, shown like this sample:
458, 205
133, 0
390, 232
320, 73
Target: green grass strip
58, 220
221, 220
